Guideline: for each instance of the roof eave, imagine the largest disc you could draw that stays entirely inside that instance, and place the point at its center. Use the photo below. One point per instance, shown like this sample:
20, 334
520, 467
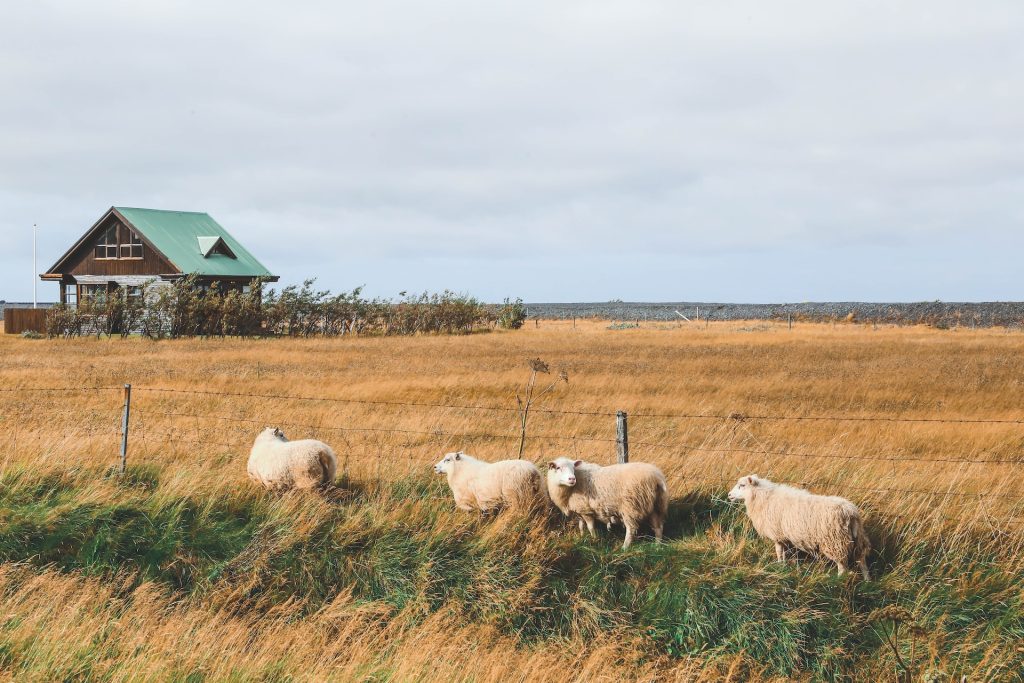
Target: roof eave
81, 240
268, 278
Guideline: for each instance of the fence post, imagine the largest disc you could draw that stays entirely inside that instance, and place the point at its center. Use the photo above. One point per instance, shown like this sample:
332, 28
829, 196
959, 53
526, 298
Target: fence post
622, 436
124, 426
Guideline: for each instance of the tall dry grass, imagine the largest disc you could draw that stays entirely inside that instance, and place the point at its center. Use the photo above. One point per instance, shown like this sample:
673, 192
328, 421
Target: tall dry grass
929, 488
847, 371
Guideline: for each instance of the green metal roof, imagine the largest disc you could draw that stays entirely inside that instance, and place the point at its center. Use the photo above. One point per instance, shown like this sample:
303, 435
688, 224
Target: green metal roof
183, 237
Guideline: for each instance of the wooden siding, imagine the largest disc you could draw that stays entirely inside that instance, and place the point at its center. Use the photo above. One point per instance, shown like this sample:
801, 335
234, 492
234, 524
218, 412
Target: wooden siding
18, 320
84, 261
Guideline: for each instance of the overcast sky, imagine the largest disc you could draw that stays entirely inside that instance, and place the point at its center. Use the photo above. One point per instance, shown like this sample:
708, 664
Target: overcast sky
557, 151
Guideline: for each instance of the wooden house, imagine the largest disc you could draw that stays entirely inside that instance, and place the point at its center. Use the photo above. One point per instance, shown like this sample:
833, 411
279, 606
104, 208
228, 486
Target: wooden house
135, 248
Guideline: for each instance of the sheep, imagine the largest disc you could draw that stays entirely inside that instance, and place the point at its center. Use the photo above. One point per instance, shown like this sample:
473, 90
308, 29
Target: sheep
631, 494
794, 518
279, 464
490, 486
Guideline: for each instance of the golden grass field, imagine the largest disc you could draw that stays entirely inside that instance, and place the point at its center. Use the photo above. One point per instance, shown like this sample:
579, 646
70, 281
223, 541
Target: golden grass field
938, 479
816, 370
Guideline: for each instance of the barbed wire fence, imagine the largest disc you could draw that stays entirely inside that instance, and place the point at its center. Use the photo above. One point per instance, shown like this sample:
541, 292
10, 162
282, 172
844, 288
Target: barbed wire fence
140, 420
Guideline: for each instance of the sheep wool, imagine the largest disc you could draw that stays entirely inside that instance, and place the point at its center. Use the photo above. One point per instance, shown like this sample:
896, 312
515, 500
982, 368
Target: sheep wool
632, 494
828, 526
483, 486
279, 464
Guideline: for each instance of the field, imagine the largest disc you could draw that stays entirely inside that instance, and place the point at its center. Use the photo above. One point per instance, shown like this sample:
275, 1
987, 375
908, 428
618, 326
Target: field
181, 570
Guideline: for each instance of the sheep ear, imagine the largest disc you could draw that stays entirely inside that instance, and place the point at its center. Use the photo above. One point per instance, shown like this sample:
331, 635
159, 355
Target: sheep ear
552, 466
578, 463
752, 479
458, 456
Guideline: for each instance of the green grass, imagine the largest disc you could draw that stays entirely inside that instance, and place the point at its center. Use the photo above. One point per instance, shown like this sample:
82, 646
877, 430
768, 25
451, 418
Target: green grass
711, 590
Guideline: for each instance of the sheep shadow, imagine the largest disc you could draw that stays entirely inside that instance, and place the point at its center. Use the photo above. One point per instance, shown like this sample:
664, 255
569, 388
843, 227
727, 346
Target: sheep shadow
690, 515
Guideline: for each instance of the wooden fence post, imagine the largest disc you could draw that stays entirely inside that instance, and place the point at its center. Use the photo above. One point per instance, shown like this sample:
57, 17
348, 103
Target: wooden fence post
124, 426
622, 436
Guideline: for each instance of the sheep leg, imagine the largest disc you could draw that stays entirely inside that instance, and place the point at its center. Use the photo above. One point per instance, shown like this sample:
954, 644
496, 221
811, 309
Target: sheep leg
581, 525
842, 568
630, 534
780, 552
864, 569
590, 526
659, 529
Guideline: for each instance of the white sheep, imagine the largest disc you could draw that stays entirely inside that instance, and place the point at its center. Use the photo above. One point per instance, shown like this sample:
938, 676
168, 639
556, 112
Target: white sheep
632, 494
490, 486
794, 518
279, 464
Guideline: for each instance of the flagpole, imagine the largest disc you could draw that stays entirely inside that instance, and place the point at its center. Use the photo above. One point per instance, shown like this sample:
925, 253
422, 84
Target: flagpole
35, 275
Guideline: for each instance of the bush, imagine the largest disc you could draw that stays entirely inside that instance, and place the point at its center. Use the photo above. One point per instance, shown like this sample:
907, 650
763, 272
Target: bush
185, 309
512, 314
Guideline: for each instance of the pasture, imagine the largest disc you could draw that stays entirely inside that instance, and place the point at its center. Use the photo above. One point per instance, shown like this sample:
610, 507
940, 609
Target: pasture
183, 570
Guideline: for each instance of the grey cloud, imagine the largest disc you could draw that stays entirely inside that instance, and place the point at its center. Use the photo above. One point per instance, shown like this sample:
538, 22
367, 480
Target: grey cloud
532, 148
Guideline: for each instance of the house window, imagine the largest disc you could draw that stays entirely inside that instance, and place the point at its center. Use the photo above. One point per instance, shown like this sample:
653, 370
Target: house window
71, 295
119, 241
131, 245
107, 246
96, 294
133, 293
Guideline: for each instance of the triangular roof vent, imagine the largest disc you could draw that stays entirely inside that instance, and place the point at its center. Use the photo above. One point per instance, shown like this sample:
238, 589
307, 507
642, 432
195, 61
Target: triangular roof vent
208, 246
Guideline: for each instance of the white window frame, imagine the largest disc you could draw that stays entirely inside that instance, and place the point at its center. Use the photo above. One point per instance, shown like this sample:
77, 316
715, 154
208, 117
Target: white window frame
133, 246
116, 250
111, 250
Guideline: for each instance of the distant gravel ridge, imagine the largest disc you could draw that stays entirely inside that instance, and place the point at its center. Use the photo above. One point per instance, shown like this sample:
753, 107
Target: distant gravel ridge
939, 313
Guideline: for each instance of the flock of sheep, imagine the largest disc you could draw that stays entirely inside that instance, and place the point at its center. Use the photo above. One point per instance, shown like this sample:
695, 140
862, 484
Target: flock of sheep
632, 494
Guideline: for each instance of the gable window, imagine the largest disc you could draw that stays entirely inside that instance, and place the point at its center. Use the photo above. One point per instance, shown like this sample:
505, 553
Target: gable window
131, 244
107, 245
221, 249
119, 242
214, 246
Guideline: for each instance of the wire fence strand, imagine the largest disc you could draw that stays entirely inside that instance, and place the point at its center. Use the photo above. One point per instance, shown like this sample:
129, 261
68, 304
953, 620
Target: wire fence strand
145, 415
740, 417
62, 390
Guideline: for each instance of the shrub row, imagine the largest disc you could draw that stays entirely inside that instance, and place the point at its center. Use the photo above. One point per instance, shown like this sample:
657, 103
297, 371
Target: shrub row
184, 309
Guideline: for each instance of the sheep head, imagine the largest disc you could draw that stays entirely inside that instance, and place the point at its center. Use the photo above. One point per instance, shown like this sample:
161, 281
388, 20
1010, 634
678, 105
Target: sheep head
745, 487
273, 433
447, 463
563, 470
